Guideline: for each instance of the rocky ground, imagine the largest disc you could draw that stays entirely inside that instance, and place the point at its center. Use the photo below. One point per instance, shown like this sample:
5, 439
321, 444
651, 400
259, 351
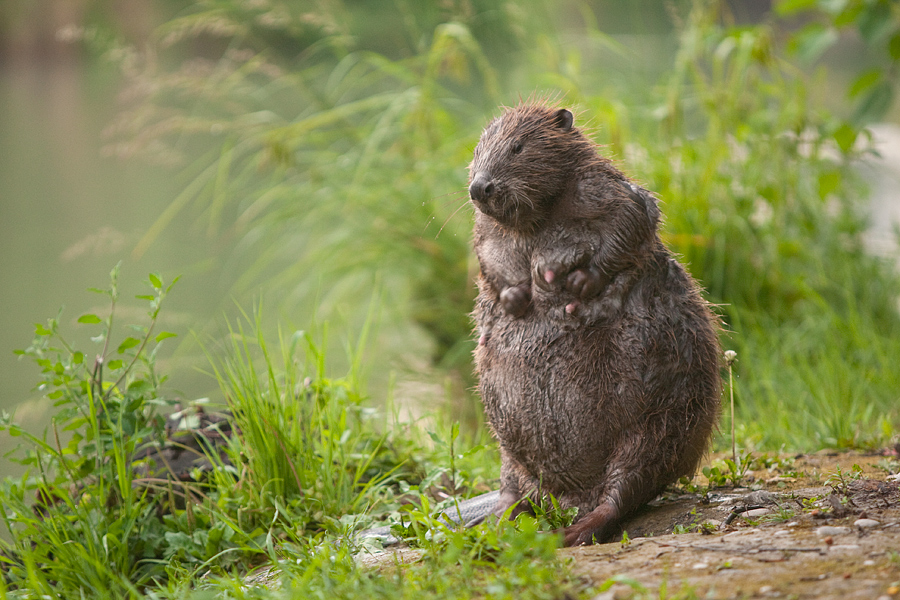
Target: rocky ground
818, 526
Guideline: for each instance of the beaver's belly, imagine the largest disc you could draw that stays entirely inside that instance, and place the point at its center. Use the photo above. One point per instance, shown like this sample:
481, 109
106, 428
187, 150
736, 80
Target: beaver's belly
558, 400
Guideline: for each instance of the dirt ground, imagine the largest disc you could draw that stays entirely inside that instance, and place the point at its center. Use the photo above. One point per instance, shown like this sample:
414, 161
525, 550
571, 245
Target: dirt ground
799, 529
820, 526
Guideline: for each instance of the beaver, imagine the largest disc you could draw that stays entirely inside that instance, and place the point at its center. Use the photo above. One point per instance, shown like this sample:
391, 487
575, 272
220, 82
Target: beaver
597, 357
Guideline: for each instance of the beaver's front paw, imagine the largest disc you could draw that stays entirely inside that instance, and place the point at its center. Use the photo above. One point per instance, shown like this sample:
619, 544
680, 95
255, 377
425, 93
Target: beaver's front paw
515, 299
582, 282
586, 283
549, 276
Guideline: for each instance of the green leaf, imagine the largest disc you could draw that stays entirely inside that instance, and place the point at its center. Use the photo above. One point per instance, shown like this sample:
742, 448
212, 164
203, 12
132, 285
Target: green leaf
875, 103
790, 7
848, 15
78, 357
812, 41
89, 318
829, 182
129, 342
145, 297
139, 385
875, 22
833, 7
174, 281
864, 82
894, 46
155, 281
114, 364
165, 335
845, 136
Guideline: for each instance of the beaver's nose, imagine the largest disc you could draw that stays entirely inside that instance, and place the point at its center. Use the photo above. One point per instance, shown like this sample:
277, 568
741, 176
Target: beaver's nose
482, 187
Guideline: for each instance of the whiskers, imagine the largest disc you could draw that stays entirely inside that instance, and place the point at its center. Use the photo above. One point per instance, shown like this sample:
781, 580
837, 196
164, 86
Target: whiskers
524, 208
454, 196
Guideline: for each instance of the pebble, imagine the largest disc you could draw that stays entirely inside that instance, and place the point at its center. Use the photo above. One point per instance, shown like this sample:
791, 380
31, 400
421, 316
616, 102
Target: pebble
866, 523
846, 548
760, 497
782, 532
829, 530
700, 565
868, 563
756, 512
766, 589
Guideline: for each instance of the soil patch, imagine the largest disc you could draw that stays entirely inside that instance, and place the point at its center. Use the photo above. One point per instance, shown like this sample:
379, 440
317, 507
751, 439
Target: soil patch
811, 526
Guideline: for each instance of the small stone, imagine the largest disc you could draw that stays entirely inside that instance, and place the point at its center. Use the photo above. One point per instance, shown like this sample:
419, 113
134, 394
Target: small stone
756, 512
622, 592
828, 540
782, 532
829, 530
760, 497
845, 548
866, 523
868, 563
699, 565
766, 589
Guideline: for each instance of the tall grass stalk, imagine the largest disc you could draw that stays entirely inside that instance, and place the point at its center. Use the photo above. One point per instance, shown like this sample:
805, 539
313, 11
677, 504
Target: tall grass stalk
302, 434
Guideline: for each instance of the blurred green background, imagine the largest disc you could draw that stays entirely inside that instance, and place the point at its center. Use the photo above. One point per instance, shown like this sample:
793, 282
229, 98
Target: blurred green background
312, 156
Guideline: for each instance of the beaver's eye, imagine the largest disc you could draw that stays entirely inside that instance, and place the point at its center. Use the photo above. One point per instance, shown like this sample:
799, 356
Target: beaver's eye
517, 147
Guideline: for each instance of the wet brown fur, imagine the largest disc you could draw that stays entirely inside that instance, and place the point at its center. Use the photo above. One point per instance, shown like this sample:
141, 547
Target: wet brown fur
597, 357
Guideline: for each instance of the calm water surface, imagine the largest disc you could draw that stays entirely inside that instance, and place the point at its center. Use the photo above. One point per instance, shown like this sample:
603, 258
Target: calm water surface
68, 215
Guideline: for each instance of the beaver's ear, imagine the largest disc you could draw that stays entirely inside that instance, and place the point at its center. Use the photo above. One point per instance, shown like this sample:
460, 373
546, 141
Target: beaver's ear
563, 119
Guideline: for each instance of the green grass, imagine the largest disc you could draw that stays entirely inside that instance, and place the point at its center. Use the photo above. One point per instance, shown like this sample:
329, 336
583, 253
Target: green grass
313, 463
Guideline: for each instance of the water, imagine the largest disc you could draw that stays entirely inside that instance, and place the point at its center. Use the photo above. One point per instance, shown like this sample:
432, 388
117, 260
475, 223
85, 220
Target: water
68, 215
